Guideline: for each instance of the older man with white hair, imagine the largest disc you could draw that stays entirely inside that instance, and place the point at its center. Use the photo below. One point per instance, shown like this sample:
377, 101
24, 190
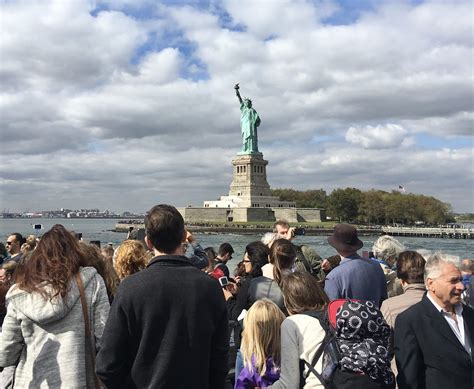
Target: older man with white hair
433, 338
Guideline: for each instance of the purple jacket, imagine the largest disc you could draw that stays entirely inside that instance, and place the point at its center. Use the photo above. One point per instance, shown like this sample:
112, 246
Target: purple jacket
250, 379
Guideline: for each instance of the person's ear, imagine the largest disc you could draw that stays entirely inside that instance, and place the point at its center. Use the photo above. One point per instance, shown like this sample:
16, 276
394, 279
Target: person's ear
148, 243
430, 284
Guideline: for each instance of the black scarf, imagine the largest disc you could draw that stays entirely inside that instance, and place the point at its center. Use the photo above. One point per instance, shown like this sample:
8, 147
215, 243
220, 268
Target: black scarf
363, 337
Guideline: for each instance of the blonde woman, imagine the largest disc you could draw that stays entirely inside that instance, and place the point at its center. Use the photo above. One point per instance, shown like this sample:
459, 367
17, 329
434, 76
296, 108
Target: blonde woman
29, 245
261, 346
130, 258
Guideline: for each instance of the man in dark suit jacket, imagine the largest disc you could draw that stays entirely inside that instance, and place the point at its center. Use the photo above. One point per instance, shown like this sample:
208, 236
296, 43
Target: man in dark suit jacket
167, 326
433, 337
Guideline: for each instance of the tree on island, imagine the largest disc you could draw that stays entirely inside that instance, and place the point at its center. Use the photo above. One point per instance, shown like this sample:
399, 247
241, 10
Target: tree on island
373, 206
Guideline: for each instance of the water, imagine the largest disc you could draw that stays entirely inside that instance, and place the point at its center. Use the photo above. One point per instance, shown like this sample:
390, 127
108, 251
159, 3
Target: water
100, 229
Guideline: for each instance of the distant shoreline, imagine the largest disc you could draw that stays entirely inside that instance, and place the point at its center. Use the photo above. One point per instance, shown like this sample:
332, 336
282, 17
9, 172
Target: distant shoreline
247, 229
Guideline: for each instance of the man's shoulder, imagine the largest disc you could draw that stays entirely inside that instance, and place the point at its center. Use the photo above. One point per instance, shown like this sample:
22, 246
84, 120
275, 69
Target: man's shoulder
414, 312
399, 303
310, 253
346, 266
159, 273
220, 264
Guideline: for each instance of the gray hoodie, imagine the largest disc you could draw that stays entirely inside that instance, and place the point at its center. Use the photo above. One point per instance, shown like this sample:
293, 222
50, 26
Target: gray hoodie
47, 337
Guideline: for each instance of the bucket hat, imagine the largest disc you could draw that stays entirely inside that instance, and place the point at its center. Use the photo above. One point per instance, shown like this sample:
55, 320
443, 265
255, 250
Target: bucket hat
345, 238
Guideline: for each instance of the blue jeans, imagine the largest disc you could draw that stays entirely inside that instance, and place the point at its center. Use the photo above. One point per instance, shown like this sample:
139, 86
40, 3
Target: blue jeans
239, 364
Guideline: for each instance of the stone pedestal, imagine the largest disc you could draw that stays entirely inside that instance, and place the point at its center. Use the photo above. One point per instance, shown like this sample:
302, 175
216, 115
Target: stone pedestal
249, 183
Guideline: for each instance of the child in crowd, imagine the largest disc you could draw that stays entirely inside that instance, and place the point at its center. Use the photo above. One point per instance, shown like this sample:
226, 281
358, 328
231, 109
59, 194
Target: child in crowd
261, 346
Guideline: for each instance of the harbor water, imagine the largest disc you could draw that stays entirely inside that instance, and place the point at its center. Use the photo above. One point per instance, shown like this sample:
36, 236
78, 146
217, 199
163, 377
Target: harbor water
102, 229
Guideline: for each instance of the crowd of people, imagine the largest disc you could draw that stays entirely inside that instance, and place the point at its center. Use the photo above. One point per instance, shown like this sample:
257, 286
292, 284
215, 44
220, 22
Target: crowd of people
167, 313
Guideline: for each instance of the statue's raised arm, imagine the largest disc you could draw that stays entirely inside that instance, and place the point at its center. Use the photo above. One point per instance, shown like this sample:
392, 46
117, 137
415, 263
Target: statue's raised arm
236, 87
249, 121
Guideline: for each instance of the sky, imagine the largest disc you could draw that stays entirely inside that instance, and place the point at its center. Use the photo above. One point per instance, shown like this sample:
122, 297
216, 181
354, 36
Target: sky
122, 105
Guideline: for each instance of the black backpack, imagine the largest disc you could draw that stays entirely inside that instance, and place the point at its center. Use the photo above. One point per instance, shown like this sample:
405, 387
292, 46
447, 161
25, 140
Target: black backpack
328, 350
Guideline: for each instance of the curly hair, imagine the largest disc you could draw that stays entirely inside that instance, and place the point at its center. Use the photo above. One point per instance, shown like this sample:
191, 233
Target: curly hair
130, 258
55, 261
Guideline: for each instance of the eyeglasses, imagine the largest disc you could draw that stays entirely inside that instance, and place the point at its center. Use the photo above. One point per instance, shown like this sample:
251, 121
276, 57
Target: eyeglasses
8, 243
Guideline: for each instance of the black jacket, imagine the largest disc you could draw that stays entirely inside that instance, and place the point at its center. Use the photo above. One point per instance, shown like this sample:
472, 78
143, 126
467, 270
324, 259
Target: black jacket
428, 353
167, 328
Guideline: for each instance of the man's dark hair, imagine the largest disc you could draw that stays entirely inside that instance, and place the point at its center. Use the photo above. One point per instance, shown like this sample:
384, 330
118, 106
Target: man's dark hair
164, 227
18, 238
225, 248
410, 267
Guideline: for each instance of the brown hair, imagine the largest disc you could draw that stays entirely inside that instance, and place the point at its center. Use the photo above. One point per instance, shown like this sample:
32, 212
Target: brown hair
302, 292
95, 259
281, 223
410, 267
108, 252
55, 260
283, 256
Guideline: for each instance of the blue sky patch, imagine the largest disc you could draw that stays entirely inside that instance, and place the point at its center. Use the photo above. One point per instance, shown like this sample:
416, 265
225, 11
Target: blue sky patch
428, 141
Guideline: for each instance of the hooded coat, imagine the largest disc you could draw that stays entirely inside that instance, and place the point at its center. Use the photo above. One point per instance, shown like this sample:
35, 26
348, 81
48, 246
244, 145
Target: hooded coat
47, 338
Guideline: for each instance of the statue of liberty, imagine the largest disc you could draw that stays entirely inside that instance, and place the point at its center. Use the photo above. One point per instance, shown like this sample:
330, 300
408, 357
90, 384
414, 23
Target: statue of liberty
249, 121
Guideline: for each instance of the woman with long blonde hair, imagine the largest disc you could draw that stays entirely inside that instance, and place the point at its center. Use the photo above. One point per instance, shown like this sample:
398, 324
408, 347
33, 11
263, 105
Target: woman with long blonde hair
260, 345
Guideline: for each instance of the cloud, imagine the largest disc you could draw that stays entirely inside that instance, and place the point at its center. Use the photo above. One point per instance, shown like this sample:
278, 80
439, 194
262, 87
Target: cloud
387, 136
98, 97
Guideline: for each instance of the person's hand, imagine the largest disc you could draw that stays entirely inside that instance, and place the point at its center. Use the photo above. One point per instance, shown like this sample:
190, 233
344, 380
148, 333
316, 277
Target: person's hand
232, 288
326, 265
189, 237
227, 294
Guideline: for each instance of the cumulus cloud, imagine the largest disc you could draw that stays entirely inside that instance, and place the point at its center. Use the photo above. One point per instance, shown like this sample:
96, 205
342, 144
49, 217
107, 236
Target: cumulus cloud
377, 137
141, 95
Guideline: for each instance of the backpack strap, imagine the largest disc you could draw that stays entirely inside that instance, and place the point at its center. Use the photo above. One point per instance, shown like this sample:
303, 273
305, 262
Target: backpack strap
322, 318
90, 342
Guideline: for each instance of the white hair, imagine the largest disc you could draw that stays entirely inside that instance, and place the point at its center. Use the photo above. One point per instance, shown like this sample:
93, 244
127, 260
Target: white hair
387, 247
436, 261
268, 238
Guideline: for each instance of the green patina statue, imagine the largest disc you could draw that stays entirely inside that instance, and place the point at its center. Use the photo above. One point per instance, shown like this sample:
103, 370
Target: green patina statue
249, 121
